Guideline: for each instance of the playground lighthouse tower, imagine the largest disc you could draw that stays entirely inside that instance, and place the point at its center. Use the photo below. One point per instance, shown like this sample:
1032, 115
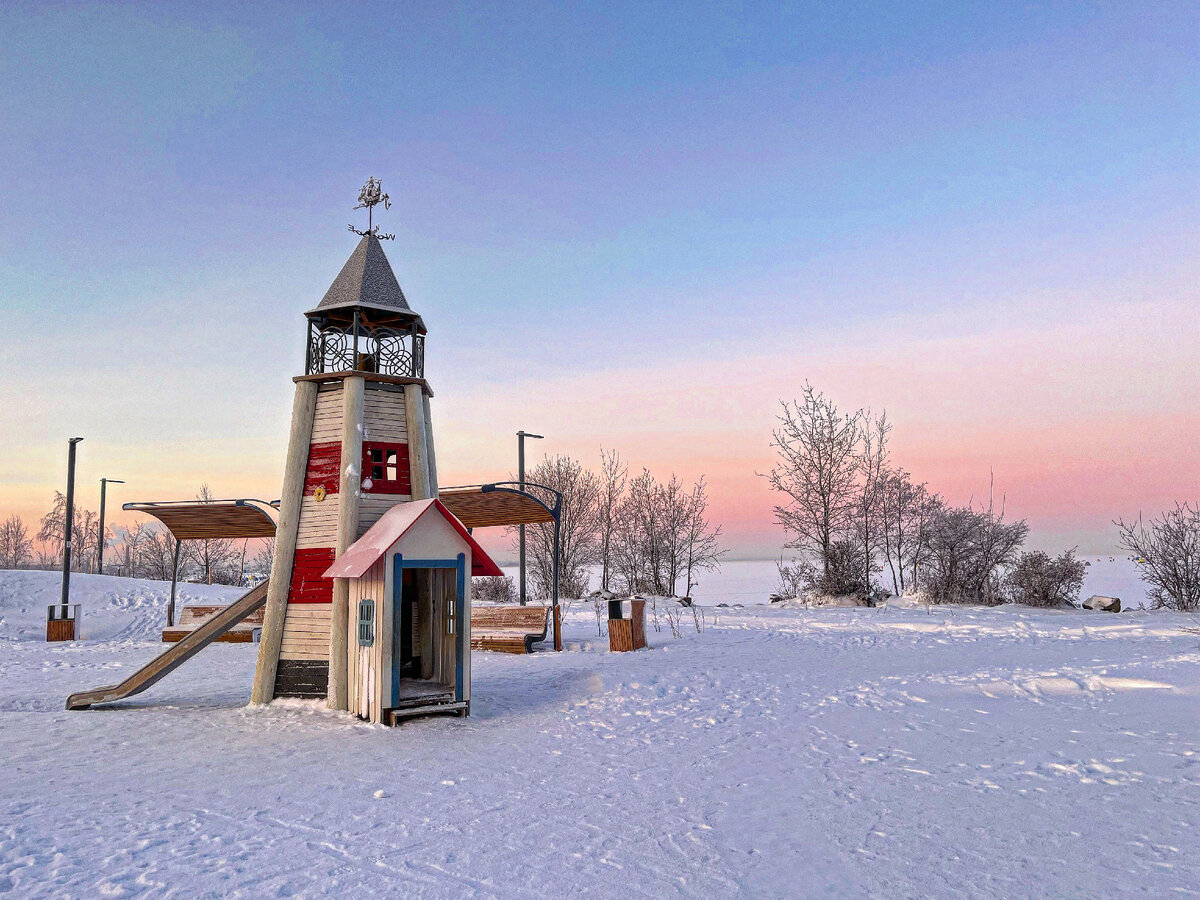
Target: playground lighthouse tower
360, 442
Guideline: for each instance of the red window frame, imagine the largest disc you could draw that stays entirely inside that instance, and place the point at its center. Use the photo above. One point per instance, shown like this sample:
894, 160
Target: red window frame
386, 465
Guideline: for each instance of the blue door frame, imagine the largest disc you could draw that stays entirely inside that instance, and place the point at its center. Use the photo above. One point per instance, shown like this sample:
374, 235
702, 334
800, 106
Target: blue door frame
399, 564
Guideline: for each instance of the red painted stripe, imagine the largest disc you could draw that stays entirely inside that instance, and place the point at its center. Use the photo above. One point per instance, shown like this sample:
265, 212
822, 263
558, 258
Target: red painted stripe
324, 467
307, 585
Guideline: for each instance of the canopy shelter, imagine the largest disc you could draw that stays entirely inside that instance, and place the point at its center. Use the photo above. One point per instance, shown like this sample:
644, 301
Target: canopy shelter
509, 503
207, 520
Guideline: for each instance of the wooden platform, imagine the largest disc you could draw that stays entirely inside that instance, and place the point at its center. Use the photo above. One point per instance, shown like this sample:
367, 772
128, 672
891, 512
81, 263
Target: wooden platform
192, 617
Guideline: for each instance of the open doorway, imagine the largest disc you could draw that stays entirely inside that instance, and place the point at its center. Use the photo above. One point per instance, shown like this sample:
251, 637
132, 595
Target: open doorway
427, 644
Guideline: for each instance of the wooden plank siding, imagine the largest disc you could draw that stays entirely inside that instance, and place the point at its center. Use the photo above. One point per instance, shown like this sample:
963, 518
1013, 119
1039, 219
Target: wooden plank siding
384, 416
306, 632
318, 522
372, 507
369, 690
327, 419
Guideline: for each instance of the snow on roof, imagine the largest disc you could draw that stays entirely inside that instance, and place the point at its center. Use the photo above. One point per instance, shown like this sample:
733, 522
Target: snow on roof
365, 552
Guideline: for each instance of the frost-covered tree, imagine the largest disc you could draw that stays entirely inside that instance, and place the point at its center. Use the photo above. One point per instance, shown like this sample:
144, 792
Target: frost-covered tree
83, 533
16, 546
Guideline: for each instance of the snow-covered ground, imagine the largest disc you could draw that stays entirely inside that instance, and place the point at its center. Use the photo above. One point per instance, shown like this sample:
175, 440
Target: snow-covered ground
898, 752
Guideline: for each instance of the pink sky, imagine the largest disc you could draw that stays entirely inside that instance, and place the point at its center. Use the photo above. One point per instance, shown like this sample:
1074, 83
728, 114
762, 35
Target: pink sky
1088, 416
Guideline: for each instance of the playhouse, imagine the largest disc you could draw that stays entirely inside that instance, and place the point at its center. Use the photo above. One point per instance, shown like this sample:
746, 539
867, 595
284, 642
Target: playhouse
409, 584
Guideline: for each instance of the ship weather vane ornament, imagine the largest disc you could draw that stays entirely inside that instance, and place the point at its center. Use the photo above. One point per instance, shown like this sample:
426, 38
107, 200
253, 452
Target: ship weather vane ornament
371, 195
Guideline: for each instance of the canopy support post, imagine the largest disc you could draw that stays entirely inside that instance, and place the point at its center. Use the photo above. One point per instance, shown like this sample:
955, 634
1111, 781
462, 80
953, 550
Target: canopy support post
554, 593
174, 581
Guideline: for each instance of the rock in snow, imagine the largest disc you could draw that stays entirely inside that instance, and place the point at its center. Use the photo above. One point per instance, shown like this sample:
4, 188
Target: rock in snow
1106, 604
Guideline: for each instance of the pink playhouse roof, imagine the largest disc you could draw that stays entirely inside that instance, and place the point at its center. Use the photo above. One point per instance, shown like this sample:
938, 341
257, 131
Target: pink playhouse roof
365, 552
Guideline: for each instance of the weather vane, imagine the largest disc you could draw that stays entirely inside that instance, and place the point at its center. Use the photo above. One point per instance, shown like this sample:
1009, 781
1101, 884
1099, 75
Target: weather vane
370, 195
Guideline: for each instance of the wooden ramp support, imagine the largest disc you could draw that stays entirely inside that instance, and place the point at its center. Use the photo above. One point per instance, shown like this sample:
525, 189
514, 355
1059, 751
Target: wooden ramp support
167, 662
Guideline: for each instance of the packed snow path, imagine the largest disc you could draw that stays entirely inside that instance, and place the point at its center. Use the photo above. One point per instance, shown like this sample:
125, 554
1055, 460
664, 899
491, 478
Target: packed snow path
781, 752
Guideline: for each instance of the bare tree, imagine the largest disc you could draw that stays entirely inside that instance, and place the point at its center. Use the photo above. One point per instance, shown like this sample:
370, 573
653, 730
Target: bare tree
156, 554
578, 527
640, 543
1167, 551
261, 563
16, 545
700, 537
819, 463
907, 509
132, 543
613, 476
868, 504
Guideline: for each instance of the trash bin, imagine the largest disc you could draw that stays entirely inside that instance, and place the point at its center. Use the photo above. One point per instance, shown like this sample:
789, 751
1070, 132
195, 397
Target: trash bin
60, 622
626, 632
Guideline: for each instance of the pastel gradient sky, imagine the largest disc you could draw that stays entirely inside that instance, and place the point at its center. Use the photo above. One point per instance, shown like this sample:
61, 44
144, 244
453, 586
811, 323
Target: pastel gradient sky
637, 225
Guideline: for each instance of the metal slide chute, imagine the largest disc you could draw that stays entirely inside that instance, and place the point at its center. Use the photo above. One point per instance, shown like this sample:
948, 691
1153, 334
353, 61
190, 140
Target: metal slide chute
179, 653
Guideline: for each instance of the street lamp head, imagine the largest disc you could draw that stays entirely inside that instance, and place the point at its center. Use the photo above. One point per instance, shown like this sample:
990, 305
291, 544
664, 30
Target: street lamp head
112, 481
530, 435
74, 440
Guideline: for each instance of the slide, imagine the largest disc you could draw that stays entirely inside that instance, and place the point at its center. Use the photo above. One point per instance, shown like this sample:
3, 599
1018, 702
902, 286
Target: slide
181, 652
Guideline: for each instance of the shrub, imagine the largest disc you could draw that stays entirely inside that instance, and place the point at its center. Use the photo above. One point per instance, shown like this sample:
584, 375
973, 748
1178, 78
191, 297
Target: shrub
493, 589
1038, 579
844, 578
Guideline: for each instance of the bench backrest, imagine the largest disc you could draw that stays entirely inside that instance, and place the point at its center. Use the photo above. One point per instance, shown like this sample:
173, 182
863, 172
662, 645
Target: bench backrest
195, 615
527, 618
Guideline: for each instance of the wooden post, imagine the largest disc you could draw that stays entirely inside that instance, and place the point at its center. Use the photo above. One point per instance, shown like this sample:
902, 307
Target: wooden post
292, 495
349, 495
558, 628
418, 443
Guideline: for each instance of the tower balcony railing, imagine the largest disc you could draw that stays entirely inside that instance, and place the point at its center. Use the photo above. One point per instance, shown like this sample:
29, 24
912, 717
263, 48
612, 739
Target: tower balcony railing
344, 348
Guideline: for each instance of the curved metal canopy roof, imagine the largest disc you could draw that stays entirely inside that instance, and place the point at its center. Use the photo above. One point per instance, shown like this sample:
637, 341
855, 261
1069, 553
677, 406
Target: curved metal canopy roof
195, 520
484, 505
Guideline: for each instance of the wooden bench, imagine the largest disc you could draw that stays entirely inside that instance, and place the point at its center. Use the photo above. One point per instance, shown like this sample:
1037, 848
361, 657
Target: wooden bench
508, 629
192, 617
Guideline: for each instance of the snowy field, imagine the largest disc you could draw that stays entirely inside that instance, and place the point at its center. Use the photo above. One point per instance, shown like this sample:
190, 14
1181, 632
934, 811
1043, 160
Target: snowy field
840, 752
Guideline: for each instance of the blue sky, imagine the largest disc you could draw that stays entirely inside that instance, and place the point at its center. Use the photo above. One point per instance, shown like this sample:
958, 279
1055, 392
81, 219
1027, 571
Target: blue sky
577, 189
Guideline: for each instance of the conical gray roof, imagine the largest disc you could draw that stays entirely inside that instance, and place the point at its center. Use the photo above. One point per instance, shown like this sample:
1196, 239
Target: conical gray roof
366, 280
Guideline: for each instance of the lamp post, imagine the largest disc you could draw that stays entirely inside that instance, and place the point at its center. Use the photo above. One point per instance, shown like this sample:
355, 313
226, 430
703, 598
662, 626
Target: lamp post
68, 521
104, 483
521, 435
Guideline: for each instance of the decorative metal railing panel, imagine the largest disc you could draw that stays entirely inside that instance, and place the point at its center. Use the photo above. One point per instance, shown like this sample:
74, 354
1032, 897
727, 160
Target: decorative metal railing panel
388, 351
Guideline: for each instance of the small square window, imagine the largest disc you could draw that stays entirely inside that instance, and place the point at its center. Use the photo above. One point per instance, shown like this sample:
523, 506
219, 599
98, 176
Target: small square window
386, 467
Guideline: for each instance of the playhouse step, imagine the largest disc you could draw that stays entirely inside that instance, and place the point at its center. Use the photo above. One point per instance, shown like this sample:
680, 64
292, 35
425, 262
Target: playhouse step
394, 716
